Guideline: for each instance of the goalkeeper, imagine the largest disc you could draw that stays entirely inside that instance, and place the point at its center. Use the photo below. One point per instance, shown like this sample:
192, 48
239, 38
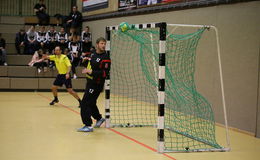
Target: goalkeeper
98, 66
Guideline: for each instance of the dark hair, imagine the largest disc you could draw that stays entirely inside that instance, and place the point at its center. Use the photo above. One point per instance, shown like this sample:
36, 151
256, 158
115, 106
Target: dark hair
66, 50
40, 51
100, 39
58, 46
87, 27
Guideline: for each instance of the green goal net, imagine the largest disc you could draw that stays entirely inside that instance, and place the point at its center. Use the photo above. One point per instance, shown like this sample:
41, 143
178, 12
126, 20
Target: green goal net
189, 123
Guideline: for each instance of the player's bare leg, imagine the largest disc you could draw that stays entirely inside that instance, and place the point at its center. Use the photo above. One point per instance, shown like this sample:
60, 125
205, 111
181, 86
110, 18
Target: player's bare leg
74, 94
55, 94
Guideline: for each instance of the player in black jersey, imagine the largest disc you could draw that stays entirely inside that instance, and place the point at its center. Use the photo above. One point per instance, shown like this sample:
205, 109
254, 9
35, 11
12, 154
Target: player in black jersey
51, 37
75, 19
86, 40
74, 56
96, 71
41, 38
40, 10
63, 39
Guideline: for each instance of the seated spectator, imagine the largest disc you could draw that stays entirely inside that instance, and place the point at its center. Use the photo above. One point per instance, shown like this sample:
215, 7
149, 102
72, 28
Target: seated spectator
31, 42
38, 61
40, 10
86, 39
74, 56
51, 43
2, 51
41, 38
51, 37
20, 39
66, 52
71, 34
62, 39
75, 19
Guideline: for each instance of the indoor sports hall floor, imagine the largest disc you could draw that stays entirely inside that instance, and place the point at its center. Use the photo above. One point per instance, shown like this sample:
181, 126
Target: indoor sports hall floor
33, 130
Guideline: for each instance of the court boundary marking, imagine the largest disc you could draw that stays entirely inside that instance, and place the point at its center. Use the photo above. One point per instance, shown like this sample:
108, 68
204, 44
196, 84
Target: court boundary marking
112, 130
217, 124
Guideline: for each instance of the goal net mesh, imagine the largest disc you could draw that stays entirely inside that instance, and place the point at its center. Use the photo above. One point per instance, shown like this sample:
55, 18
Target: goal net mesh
189, 119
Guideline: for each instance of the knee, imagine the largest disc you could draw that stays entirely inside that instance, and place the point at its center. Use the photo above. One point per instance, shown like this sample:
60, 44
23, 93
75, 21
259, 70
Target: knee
54, 88
70, 91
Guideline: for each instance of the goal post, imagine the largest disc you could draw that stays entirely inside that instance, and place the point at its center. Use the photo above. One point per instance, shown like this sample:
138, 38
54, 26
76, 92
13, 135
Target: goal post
151, 83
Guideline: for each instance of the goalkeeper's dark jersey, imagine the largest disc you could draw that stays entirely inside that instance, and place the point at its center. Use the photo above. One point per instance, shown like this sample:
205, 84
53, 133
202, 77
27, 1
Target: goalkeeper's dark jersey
100, 66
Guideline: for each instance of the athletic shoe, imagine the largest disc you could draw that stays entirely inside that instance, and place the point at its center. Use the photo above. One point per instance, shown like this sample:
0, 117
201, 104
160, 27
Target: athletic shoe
99, 122
86, 129
5, 64
54, 101
75, 76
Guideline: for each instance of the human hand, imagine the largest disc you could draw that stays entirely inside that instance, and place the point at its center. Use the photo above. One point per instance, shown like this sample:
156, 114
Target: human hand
67, 75
86, 71
86, 58
44, 56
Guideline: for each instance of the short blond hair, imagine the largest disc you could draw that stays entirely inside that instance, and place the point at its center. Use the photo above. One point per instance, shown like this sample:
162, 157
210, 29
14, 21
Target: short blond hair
100, 39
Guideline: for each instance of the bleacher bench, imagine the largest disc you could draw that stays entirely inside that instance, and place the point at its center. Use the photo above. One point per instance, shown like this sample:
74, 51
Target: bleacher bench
33, 20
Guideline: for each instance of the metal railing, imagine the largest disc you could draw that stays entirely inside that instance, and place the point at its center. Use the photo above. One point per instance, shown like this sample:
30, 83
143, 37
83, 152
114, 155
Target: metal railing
25, 7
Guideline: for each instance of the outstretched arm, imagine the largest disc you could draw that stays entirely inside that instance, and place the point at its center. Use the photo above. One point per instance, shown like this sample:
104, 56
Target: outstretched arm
45, 56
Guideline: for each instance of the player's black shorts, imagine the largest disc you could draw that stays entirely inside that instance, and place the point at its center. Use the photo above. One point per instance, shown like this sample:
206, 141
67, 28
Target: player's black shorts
61, 79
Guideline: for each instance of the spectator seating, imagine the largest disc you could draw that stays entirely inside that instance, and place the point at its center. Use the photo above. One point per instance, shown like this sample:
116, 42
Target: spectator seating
18, 75
18, 60
33, 20
25, 77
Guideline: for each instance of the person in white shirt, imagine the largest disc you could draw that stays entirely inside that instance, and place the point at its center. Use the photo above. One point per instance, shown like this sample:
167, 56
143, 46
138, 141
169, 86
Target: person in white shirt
31, 42
38, 61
